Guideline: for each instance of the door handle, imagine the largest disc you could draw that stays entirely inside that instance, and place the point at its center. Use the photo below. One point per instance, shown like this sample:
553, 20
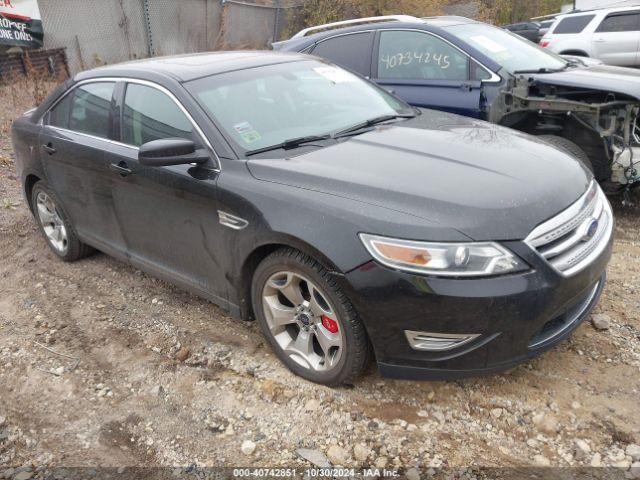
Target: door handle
121, 168
49, 148
599, 40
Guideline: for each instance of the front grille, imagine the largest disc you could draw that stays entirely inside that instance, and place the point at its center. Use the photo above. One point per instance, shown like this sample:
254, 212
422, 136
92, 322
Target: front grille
571, 240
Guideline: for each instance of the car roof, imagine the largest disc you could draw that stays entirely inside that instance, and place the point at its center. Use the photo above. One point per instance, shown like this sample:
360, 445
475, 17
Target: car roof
600, 11
448, 20
184, 68
429, 24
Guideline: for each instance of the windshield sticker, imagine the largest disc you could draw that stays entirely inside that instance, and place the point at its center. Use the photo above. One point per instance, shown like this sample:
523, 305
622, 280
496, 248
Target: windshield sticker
243, 127
250, 137
490, 45
335, 75
247, 132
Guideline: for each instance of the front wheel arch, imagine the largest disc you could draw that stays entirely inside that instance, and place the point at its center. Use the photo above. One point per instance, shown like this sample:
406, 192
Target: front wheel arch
262, 251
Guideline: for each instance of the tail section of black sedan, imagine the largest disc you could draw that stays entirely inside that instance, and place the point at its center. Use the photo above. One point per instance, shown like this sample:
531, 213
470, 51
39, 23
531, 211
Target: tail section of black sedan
345, 222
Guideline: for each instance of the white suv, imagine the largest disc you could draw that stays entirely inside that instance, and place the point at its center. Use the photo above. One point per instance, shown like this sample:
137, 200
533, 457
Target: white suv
611, 35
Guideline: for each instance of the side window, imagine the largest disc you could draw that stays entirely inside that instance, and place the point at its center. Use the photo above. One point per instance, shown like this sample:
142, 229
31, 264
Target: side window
350, 51
625, 22
86, 109
572, 24
150, 114
419, 56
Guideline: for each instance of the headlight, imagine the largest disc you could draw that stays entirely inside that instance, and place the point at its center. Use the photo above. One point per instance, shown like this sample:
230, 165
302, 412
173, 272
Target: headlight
443, 259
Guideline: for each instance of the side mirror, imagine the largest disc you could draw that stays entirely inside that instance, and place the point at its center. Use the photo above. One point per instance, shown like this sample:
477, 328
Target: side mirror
170, 151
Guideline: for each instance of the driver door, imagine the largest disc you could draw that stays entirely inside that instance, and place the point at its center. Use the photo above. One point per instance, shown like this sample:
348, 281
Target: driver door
426, 71
168, 214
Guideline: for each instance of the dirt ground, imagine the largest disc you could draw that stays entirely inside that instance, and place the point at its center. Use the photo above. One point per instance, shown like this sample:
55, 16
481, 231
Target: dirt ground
123, 394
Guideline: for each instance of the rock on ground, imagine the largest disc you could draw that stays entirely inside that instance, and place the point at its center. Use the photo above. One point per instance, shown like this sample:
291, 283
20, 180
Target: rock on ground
337, 455
316, 457
601, 321
633, 450
248, 447
361, 452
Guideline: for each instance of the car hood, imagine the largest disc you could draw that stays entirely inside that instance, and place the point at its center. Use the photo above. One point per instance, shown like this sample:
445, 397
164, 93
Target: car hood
620, 80
486, 181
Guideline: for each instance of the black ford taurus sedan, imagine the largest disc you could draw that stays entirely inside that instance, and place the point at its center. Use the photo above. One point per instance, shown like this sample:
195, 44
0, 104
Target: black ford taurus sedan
288, 190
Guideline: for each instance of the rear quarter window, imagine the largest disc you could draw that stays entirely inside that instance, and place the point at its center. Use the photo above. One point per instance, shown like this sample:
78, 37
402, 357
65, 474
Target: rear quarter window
573, 24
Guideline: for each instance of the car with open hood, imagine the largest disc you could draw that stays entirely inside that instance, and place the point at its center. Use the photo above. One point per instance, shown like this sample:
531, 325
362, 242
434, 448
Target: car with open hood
347, 223
471, 68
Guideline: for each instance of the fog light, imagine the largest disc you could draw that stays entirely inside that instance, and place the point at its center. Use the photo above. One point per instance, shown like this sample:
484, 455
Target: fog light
437, 342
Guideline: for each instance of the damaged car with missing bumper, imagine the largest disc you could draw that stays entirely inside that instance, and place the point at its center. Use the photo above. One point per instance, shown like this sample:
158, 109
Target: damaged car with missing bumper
471, 68
290, 191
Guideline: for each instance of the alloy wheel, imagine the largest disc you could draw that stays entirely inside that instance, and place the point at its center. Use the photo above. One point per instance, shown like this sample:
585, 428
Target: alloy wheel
52, 223
302, 321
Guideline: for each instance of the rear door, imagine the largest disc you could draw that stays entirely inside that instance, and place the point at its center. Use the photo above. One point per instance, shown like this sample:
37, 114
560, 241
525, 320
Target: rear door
76, 133
426, 71
616, 39
168, 214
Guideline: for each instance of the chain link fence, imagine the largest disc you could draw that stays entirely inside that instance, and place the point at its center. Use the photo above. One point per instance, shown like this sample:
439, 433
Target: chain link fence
97, 32
248, 24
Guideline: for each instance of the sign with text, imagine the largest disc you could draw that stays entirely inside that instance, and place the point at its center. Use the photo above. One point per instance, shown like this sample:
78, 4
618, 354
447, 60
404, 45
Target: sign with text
20, 23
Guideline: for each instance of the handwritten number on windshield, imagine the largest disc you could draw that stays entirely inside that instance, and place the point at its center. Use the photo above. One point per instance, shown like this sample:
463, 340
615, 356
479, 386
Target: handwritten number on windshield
407, 58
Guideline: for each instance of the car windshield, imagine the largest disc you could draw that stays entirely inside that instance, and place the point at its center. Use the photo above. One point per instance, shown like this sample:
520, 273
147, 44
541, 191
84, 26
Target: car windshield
512, 52
265, 106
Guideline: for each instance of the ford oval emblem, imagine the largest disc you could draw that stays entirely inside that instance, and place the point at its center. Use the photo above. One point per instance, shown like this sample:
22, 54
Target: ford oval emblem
591, 230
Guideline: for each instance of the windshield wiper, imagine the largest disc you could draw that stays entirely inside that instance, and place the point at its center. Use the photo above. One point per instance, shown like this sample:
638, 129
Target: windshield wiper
288, 144
370, 123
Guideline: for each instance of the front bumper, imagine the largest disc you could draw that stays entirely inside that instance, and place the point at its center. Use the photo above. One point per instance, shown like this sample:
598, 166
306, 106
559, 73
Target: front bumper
516, 316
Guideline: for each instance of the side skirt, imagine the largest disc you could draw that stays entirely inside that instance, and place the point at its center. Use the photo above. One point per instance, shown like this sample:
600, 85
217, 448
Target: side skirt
163, 274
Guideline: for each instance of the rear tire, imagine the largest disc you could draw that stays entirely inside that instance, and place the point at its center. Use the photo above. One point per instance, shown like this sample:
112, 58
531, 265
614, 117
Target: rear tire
55, 225
313, 329
569, 147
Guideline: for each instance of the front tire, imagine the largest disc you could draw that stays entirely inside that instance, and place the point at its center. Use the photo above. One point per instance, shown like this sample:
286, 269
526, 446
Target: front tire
55, 225
307, 319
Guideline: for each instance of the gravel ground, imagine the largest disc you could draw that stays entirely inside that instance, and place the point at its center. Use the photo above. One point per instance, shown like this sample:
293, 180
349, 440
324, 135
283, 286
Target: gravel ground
102, 365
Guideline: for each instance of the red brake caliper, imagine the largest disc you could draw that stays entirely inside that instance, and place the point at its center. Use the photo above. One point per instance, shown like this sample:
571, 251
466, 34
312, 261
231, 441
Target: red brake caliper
330, 324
